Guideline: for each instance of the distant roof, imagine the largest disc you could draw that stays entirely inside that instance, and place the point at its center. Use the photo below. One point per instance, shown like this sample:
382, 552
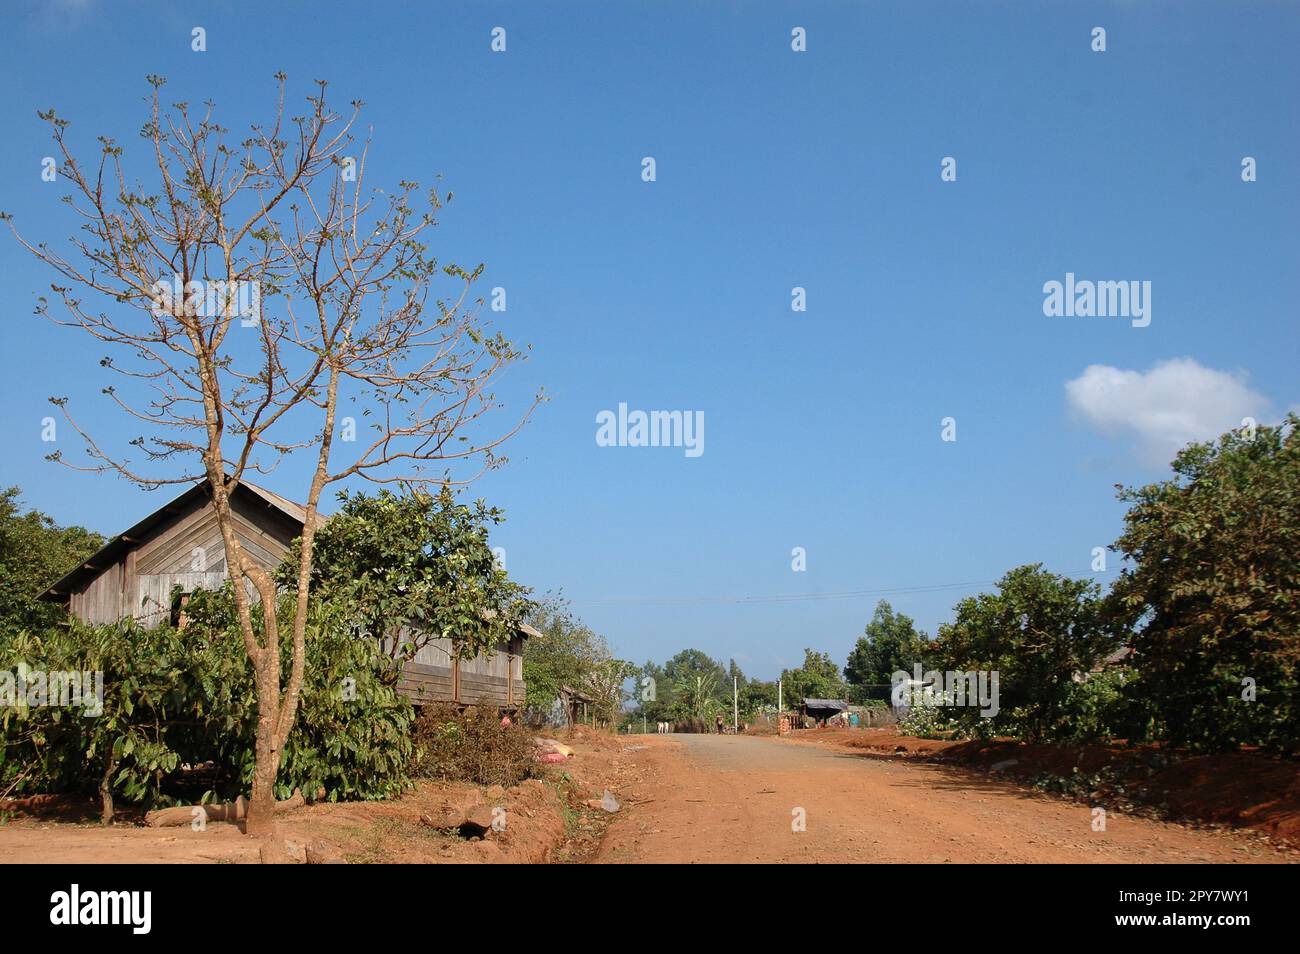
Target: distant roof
1115, 658
520, 627
838, 704
117, 547
576, 694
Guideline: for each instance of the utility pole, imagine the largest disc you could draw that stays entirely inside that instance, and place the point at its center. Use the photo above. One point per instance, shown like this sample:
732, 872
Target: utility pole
779, 701
735, 705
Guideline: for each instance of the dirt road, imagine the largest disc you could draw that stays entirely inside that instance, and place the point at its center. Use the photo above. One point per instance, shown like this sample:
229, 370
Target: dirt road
736, 799
692, 798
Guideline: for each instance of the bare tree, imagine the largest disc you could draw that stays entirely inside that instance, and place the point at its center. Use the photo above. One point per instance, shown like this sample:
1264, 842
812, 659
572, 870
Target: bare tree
253, 288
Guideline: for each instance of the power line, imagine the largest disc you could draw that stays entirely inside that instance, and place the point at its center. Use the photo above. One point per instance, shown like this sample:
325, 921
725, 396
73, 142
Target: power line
790, 597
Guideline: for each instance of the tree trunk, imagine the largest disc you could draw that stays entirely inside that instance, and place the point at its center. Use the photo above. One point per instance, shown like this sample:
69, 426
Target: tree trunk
106, 793
261, 806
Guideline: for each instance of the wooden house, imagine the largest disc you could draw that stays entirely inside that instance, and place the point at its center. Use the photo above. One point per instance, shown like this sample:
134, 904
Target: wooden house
135, 573
437, 673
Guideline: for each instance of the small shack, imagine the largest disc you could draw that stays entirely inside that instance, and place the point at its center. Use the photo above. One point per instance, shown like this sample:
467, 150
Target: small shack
822, 710
578, 705
179, 545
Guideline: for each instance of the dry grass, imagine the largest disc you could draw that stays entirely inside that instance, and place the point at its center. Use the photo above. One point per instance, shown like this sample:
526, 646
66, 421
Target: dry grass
472, 746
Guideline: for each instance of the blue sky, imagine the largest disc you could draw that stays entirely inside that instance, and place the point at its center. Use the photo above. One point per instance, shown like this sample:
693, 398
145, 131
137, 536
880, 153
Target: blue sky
775, 169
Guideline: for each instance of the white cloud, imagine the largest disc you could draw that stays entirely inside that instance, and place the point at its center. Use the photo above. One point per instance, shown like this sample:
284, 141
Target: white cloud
1177, 401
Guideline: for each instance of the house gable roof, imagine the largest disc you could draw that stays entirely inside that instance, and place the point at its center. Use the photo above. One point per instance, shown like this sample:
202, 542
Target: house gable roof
117, 547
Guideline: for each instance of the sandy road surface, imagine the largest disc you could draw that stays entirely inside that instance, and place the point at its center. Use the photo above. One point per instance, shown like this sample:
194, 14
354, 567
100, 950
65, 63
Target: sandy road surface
92, 845
728, 799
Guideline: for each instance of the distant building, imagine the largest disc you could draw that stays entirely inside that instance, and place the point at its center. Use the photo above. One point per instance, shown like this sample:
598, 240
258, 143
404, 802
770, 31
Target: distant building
1120, 659
821, 710
579, 706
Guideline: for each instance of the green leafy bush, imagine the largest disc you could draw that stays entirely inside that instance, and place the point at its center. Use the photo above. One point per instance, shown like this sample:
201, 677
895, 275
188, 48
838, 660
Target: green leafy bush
1108, 705
129, 747
352, 735
926, 719
414, 567
1037, 631
174, 698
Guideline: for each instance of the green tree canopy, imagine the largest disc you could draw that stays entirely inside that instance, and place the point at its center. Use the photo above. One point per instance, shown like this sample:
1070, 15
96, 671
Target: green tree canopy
1037, 631
654, 693
756, 695
891, 642
416, 566
818, 678
692, 684
695, 682
568, 652
1214, 590
34, 552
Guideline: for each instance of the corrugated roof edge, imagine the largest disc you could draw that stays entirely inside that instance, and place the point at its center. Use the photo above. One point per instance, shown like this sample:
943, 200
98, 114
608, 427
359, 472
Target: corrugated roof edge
825, 703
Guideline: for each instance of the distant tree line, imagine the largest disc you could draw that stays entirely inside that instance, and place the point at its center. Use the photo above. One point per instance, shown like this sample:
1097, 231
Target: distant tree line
1197, 643
34, 552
